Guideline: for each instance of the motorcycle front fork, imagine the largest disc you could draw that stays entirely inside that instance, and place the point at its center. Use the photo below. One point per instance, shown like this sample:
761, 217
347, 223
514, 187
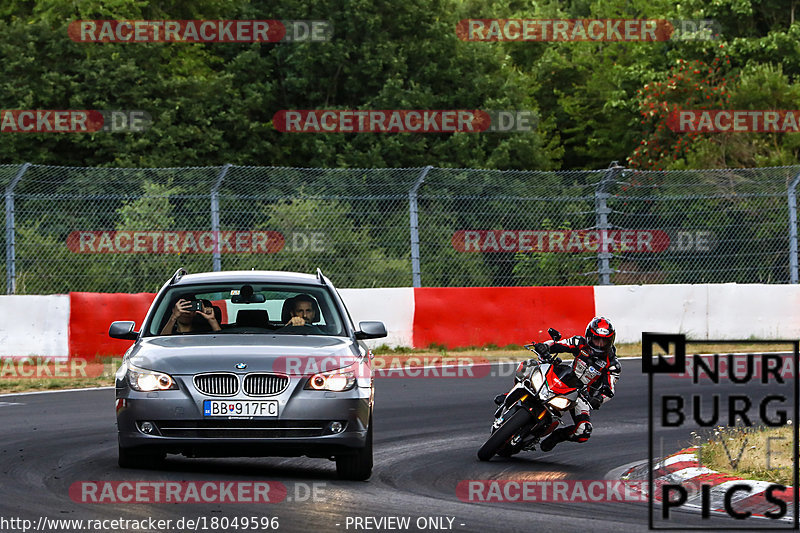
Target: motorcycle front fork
498, 421
499, 415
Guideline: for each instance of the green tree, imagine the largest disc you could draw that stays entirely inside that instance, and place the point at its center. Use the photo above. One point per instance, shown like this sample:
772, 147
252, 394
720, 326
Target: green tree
330, 241
213, 104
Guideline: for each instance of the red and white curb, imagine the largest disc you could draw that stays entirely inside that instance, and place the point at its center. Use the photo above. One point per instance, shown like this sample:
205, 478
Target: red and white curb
683, 468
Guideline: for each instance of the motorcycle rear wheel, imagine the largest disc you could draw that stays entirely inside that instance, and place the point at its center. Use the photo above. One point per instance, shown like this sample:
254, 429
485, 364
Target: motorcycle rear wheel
504, 433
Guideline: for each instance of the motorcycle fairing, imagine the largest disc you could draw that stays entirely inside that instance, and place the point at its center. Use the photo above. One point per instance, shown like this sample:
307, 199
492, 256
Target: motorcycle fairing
561, 380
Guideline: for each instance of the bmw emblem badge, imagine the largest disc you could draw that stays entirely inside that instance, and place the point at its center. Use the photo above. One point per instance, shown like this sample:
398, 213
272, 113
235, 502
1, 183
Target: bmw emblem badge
241, 366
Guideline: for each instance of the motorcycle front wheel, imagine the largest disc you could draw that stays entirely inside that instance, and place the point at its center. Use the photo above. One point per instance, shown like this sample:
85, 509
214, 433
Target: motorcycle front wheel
504, 433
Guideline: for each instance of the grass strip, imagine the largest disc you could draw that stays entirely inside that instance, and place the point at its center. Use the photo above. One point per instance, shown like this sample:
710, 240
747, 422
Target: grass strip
758, 453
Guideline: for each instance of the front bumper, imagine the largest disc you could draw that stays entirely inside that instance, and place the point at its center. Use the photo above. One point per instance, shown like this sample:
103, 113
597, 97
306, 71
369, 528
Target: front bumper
303, 425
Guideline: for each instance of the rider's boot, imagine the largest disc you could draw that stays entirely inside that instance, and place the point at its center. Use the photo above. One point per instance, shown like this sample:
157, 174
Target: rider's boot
559, 435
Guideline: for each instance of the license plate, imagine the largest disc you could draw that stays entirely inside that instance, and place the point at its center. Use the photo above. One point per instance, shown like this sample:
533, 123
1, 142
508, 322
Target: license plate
240, 408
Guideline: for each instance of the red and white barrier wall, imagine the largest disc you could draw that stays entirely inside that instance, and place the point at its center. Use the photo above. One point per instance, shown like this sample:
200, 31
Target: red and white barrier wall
475, 316
394, 307
77, 324
710, 311
34, 325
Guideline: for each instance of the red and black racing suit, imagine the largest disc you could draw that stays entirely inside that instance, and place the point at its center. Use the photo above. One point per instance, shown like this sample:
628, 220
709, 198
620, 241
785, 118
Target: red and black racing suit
598, 373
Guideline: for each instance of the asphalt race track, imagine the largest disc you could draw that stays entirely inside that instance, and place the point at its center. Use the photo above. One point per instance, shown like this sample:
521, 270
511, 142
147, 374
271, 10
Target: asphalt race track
427, 432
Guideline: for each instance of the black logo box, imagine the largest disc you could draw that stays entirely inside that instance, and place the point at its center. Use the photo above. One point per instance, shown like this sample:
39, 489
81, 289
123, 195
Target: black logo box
677, 365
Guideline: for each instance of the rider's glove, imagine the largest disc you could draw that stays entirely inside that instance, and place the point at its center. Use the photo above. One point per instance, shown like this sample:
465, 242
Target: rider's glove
542, 349
607, 392
595, 402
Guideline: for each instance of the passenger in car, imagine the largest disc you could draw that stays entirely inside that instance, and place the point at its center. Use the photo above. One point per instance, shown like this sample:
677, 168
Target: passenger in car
185, 320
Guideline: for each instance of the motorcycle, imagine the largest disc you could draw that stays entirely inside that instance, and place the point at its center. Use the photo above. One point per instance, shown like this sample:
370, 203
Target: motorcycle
533, 408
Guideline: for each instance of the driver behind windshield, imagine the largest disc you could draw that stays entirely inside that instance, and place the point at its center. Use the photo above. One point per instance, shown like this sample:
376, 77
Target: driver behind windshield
302, 311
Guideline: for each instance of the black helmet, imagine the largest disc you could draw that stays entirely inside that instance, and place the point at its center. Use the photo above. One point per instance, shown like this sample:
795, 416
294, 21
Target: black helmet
600, 335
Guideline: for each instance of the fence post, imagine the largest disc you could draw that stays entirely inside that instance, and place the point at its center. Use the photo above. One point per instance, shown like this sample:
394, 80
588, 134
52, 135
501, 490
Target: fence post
216, 261
602, 211
11, 273
416, 276
793, 275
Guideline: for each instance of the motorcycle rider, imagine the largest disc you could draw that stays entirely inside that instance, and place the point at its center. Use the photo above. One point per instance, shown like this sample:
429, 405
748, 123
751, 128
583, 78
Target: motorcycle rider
595, 363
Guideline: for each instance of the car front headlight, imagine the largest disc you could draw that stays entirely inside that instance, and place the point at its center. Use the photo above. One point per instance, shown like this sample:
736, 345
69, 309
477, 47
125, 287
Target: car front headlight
148, 380
560, 402
336, 381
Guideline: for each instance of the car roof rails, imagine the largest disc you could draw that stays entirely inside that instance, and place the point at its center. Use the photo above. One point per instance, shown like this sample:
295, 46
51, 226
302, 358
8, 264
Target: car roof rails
176, 277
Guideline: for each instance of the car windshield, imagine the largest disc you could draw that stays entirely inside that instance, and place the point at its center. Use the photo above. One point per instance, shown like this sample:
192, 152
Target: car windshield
243, 308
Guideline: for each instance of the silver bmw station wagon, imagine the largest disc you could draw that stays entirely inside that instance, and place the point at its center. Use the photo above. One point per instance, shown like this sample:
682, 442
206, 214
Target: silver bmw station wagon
247, 363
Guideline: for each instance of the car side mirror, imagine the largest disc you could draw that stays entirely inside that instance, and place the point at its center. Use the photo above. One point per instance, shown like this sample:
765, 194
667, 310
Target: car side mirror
370, 330
123, 329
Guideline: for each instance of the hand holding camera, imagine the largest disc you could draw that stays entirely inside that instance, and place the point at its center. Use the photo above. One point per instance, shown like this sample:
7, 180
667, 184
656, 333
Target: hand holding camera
184, 306
181, 307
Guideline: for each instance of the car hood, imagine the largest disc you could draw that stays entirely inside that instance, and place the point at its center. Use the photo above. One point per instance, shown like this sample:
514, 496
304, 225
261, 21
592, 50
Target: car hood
192, 354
